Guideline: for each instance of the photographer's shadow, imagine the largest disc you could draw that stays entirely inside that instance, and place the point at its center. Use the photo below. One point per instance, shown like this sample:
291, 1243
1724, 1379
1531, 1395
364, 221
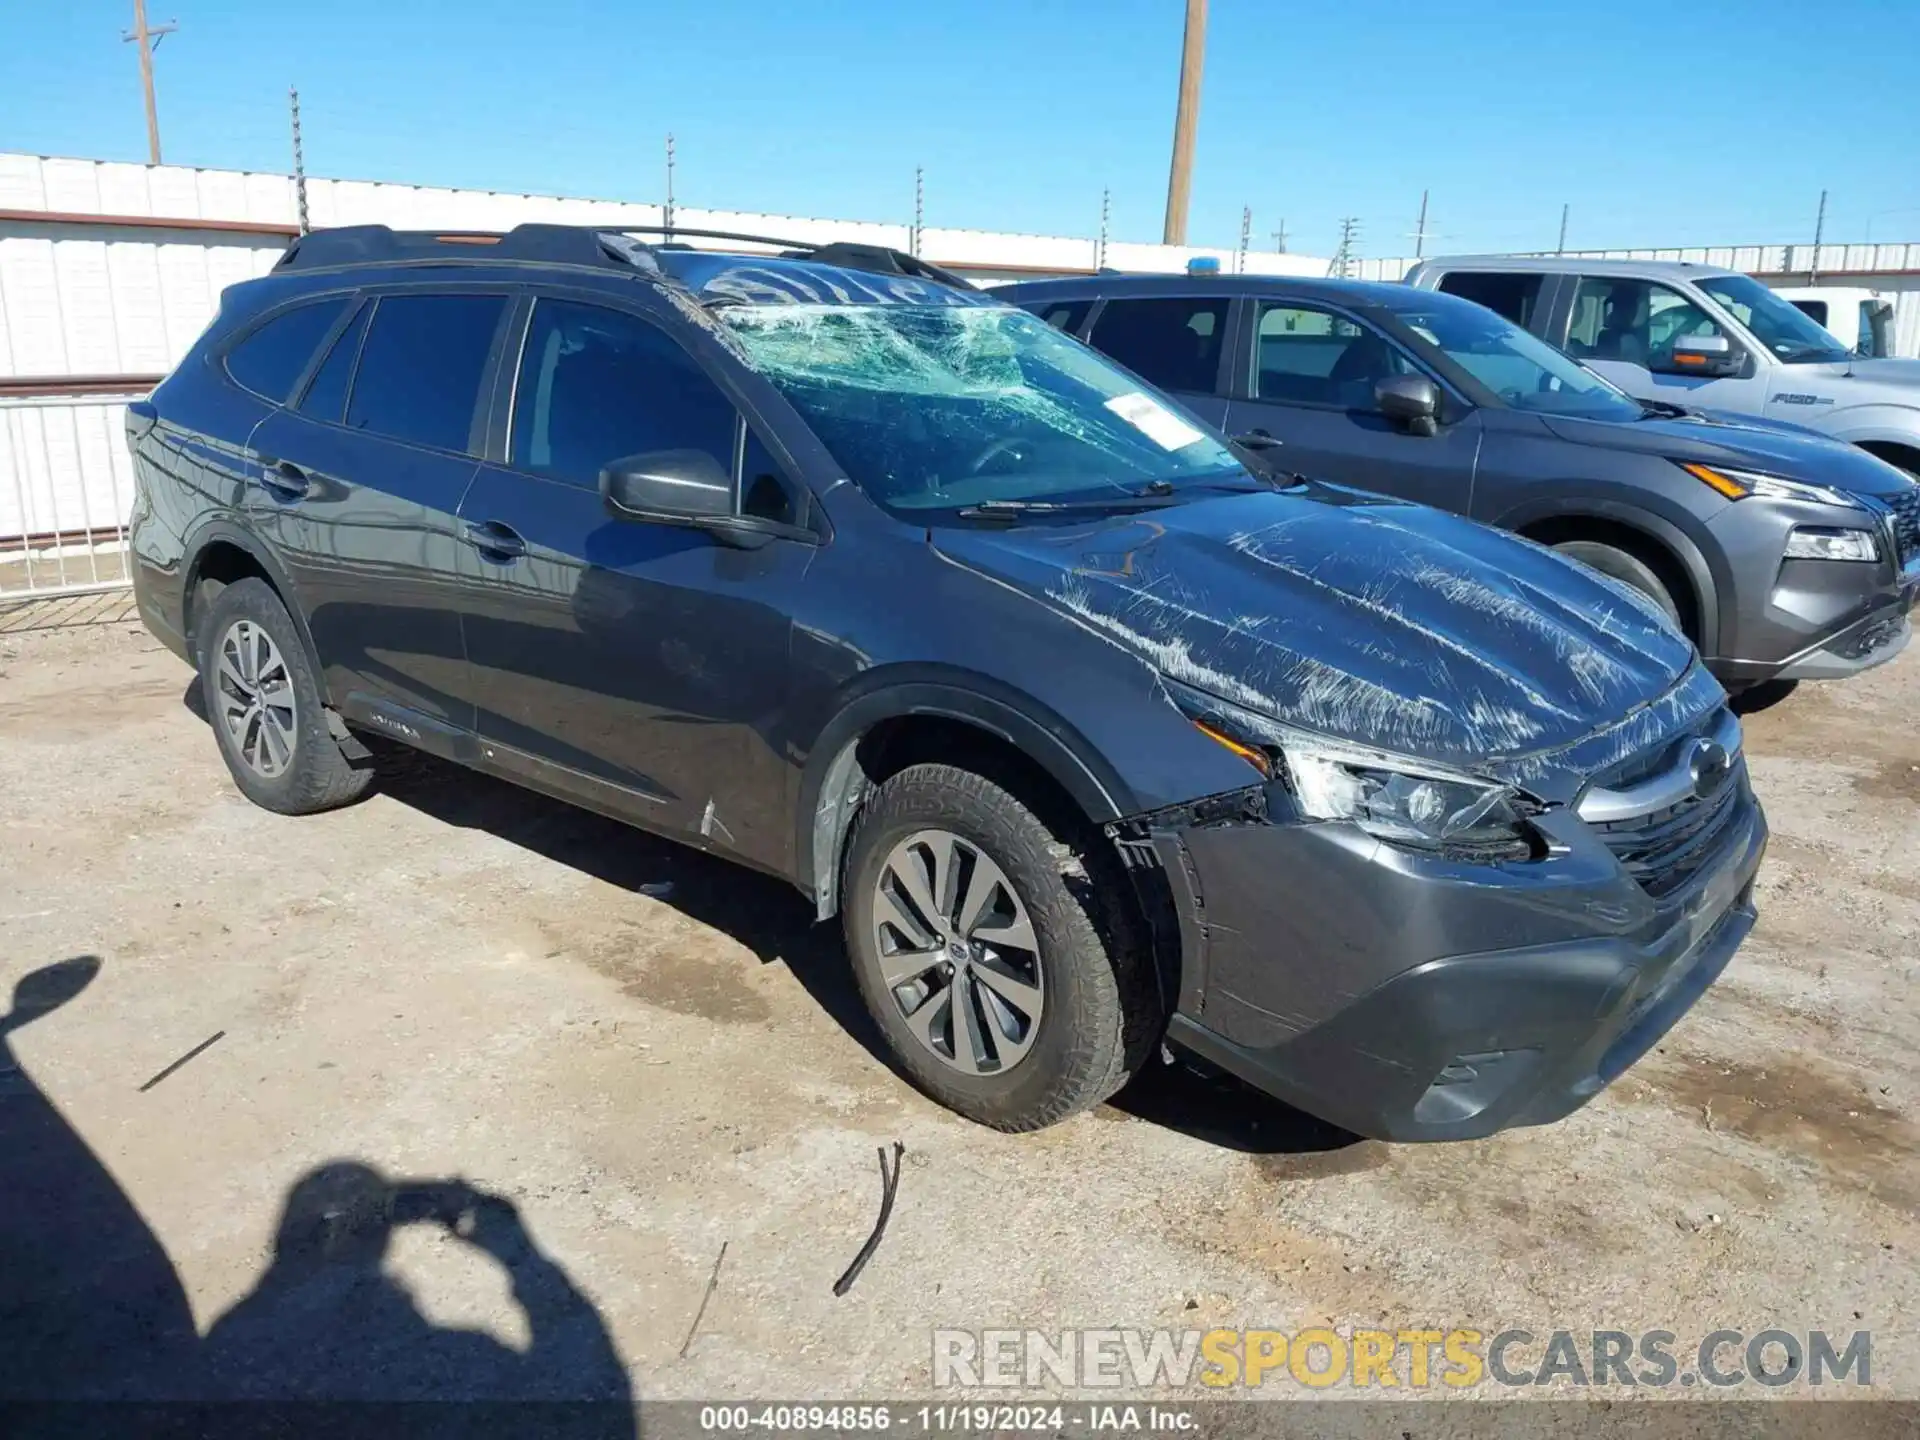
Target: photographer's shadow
91, 1306
330, 1321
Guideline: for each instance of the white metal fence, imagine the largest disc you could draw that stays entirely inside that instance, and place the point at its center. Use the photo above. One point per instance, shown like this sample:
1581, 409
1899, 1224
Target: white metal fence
66, 488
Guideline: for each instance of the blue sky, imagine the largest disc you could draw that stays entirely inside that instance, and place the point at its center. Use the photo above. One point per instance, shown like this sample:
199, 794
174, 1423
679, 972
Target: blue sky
1687, 123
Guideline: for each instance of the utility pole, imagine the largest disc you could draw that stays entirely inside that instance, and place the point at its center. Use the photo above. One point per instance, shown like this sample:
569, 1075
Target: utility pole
1819, 229
1561, 248
666, 211
919, 209
1100, 245
1186, 123
148, 38
1280, 237
1420, 231
299, 162
1246, 234
1349, 240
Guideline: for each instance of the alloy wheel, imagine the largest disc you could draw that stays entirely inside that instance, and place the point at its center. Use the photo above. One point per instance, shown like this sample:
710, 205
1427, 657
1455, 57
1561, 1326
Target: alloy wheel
255, 698
957, 953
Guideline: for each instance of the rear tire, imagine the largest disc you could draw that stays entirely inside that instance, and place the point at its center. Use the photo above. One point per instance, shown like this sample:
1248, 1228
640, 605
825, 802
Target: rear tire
264, 703
1628, 569
1084, 966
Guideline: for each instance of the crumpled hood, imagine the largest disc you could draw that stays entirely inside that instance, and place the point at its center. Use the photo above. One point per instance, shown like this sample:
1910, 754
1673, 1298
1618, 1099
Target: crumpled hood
1718, 439
1382, 623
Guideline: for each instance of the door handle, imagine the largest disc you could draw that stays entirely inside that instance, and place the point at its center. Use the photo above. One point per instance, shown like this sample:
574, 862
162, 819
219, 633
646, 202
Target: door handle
495, 540
285, 479
1257, 440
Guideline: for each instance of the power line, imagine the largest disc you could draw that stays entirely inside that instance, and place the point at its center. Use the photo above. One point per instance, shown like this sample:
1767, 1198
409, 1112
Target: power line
666, 211
299, 162
1344, 257
148, 37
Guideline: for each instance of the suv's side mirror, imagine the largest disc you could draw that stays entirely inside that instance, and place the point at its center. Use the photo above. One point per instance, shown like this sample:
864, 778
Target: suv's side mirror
678, 487
1712, 357
684, 485
1411, 402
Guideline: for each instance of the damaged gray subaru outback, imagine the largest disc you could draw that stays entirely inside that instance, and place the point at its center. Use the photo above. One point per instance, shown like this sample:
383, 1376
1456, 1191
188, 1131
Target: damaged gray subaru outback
1096, 740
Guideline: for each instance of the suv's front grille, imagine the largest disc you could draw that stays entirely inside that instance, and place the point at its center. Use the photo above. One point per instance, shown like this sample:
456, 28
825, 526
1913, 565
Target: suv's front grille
1904, 511
1665, 848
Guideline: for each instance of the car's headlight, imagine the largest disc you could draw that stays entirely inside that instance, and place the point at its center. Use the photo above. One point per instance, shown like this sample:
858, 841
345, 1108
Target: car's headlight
1405, 805
1391, 797
1818, 542
1738, 484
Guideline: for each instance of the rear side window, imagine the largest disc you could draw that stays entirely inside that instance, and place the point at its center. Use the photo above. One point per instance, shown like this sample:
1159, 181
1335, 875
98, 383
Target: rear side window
273, 356
1815, 310
1173, 343
420, 367
326, 397
1067, 315
1512, 297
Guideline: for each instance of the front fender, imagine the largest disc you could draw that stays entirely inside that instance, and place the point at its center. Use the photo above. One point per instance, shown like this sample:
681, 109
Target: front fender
829, 783
1883, 423
1708, 583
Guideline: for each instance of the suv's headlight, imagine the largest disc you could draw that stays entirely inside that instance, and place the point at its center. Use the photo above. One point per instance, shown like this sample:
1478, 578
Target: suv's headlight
1818, 542
1407, 806
1738, 484
1392, 797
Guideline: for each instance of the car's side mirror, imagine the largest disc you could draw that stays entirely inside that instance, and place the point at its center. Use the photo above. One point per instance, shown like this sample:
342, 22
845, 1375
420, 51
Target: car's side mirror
678, 487
1712, 357
685, 485
1411, 402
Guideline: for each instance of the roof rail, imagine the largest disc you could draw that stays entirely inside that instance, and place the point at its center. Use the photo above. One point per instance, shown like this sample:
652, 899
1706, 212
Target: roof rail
350, 244
577, 245
847, 254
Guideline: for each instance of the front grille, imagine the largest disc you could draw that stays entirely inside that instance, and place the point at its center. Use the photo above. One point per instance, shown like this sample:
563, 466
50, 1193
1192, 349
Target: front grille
1904, 512
1665, 848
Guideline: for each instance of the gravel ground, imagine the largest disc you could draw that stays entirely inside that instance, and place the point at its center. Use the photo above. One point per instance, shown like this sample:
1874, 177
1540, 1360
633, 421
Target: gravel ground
649, 1054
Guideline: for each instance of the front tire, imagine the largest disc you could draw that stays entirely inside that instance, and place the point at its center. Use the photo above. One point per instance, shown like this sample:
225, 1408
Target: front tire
264, 703
1628, 569
1000, 961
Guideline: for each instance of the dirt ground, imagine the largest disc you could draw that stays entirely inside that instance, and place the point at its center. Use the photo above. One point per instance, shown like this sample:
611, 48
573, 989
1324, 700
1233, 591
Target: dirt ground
650, 1055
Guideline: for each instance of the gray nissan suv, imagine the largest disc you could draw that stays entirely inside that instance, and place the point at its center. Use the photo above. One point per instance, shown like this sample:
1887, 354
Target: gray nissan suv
1780, 554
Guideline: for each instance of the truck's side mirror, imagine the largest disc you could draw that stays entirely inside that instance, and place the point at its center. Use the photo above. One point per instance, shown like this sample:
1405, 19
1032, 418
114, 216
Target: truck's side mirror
1410, 401
1711, 357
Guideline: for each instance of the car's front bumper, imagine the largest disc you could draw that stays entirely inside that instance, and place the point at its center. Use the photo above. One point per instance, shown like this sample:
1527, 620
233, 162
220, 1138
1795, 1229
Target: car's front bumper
1409, 997
1807, 619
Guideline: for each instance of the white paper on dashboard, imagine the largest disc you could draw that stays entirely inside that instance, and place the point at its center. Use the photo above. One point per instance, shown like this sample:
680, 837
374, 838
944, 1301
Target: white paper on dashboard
1155, 421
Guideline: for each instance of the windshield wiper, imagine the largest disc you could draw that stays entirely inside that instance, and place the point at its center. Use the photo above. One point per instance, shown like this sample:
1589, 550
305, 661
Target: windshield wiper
1665, 409
1009, 509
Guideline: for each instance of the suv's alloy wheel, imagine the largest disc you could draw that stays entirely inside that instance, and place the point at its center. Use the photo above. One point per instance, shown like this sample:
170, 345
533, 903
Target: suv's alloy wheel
264, 702
256, 702
999, 956
958, 953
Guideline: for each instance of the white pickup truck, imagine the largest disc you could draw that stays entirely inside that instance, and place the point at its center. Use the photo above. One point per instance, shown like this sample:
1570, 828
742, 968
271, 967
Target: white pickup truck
1698, 336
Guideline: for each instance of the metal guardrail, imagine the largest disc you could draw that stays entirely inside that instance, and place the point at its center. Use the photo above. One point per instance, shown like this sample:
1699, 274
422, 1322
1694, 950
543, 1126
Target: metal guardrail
66, 490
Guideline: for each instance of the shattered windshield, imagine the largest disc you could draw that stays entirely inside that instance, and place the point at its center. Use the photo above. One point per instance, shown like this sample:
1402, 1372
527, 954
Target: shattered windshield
932, 407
